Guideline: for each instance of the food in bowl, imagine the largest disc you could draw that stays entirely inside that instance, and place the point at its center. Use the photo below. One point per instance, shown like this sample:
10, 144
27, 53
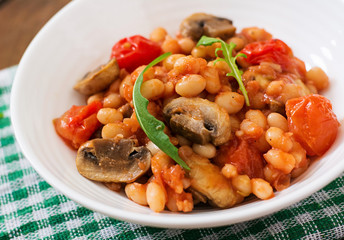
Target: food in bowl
209, 117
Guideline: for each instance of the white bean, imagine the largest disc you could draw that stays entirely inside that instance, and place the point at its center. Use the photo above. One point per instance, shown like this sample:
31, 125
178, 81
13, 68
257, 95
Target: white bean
280, 160
156, 197
257, 117
207, 150
261, 188
278, 139
231, 101
109, 115
277, 120
190, 85
136, 192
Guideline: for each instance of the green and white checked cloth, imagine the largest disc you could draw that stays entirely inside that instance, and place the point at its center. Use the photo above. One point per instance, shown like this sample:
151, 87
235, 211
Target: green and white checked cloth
31, 209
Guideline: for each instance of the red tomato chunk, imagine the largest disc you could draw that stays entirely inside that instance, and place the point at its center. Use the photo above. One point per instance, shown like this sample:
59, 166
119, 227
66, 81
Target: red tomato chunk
313, 123
244, 156
275, 51
135, 51
78, 124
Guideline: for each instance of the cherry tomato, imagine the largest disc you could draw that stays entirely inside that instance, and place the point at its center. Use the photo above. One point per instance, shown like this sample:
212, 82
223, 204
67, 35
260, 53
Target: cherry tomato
276, 51
135, 51
313, 123
78, 124
244, 156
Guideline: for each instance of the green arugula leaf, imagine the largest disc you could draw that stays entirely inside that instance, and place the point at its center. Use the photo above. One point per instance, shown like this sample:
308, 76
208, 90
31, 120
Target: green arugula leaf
153, 128
227, 50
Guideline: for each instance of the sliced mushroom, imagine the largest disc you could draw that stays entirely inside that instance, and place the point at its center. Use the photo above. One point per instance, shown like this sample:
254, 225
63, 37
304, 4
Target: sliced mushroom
198, 120
207, 179
105, 160
199, 24
197, 196
99, 79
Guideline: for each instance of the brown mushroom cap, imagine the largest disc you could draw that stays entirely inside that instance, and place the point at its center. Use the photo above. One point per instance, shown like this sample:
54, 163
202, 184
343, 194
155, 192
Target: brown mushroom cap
199, 24
105, 160
207, 179
198, 120
99, 79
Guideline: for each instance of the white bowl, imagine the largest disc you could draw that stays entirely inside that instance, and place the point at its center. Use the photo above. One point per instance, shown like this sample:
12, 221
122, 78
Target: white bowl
80, 37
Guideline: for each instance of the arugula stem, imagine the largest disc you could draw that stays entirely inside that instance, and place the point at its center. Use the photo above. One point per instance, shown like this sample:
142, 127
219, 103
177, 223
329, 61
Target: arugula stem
227, 50
154, 128
237, 74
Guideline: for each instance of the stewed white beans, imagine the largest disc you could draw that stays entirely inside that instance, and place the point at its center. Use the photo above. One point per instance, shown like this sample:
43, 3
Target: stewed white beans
109, 115
95, 97
169, 62
280, 160
152, 88
261, 188
190, 85
229, 170
235, 123
186, 45
211, 75
170, 45
242, 184
156, 197
199, 52
239, 42
231, 101
158, 35
188, 65
261, 152
277, 120
257, 117
136, 192
318, 77
275, 88
113, 100
112, 130
183, 141
207, 150
279, 139
168, 90
250, 128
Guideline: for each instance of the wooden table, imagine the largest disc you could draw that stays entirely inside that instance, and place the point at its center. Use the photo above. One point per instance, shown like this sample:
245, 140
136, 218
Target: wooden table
20, 20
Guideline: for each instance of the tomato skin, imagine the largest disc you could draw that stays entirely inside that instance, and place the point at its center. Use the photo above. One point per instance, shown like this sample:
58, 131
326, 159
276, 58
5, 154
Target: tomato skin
276, 51
312, 122
78, 124
135, 51
244, 156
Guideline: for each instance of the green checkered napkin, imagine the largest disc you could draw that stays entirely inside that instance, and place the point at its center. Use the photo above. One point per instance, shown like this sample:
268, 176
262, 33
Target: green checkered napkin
31, 209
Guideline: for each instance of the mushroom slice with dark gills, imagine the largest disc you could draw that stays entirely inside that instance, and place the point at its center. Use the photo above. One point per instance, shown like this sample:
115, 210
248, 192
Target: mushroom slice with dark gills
198, 120
105, 160
199, 24
99, 79
207, 179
